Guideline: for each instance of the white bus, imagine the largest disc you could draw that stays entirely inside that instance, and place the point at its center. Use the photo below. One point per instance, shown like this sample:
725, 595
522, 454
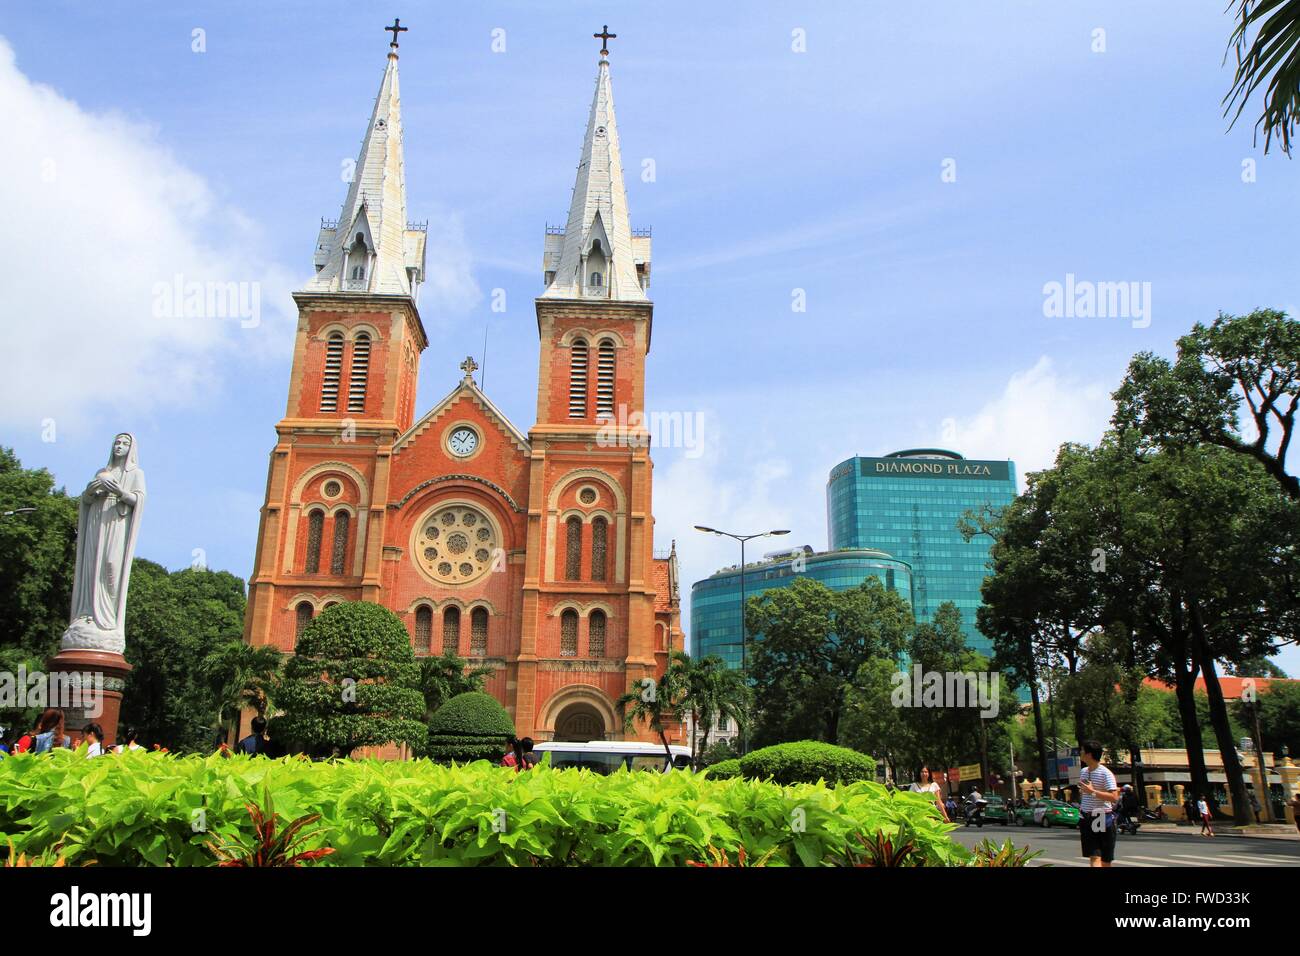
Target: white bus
606, 756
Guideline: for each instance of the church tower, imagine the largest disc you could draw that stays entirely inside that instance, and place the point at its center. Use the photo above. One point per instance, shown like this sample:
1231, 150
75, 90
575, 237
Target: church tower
351, 392
590, 576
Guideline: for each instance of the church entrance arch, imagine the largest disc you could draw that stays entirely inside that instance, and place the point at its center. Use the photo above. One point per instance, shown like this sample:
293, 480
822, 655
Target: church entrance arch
578, 723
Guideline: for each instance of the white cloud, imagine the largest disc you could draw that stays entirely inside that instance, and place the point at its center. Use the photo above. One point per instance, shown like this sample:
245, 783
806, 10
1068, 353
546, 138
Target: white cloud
102, 218
1036, 412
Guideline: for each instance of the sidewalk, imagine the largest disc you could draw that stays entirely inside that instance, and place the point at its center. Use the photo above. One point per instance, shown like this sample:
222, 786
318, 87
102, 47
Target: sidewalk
1267, 831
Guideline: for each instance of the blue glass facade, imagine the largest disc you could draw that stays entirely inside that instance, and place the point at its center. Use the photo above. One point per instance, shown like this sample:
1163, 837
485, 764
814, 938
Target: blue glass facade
908, 504
715, 601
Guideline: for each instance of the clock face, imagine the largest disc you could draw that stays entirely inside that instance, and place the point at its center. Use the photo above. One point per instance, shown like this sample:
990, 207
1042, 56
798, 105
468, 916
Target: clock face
463, 441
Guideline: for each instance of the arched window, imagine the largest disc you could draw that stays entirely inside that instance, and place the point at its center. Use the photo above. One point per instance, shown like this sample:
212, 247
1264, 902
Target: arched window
339, 555
329, 390
599, 547
423, 628
315, 530
605, 380
451, 631
573, 549
302, 617
478, 621
596, 280
578, 379
596, 634
359, 374
569, 633
357, 256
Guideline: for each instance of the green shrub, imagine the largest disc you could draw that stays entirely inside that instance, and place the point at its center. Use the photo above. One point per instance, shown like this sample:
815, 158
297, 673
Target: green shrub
807, 761
724, 769
470, 726
351, 682
154, 809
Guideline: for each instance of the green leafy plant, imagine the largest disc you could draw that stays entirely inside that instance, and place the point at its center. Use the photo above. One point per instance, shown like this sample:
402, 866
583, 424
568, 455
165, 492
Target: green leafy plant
724, 769
717, 857
271, 845
987, 853
470, 726
883, 849
807, 761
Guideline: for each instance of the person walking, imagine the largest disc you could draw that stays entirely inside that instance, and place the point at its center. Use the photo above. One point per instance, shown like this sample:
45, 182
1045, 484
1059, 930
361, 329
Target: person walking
129, 741
94, 737
1203, 811
1098, 796
257, 742
925, 783
46, 735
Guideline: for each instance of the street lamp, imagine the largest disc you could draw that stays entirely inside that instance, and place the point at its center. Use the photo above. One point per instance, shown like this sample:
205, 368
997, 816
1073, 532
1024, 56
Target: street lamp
17, 511
744, 635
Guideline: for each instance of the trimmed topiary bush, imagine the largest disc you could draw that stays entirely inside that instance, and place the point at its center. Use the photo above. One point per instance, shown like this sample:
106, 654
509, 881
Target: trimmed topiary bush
724, 769
470, 726
351, 682
807, 761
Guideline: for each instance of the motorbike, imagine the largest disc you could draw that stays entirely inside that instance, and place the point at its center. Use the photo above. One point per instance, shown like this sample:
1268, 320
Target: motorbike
975, 812
1128, 824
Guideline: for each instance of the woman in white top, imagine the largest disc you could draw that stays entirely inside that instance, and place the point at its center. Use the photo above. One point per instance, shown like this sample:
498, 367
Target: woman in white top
94, 735
1203, 808
926, 784
129, 743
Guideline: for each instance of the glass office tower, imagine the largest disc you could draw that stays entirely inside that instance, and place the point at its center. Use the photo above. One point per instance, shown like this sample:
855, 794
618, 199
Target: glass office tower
908, 504
715, 601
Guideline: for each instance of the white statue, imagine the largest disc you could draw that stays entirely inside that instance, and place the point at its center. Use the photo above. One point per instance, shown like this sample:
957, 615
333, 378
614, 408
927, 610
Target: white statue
107, 525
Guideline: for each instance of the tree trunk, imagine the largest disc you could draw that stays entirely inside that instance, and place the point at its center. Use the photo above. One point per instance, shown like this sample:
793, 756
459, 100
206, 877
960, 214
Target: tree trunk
668, 753
1219, 719
1185, 691
1038, 718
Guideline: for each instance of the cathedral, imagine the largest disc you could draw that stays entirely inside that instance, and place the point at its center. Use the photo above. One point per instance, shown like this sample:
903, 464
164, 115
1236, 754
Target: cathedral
528, 553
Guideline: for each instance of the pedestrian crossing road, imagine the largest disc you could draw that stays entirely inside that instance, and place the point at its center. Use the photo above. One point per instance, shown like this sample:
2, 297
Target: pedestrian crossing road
1148, 849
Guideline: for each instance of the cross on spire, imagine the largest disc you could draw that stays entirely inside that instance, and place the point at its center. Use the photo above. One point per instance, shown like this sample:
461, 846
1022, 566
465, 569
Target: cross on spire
604, 36
469, 366
395, 29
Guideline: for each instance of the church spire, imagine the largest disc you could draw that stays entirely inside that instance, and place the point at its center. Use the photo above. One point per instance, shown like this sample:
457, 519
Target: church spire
597, 255
370, 248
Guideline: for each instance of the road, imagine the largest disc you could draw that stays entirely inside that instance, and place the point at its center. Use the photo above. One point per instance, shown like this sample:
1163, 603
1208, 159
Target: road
1149, 848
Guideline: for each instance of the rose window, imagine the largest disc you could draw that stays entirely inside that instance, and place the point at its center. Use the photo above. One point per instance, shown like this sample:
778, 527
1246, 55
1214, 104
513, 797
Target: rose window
454, 544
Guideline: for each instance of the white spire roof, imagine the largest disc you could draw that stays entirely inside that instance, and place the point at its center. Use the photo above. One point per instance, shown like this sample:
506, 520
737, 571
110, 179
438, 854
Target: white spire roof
598, 235
389, 260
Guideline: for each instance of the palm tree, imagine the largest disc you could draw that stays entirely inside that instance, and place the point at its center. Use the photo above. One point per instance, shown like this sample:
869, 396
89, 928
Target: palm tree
444, 676
242, 676
712, 690
1273, 50
657, 703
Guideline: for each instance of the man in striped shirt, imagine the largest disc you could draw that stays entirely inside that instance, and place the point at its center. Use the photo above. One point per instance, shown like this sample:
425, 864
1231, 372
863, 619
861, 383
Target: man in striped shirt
1098, 797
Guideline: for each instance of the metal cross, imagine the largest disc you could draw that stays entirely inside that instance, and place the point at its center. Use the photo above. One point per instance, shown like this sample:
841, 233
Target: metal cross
469, 366
604, 36
395, 29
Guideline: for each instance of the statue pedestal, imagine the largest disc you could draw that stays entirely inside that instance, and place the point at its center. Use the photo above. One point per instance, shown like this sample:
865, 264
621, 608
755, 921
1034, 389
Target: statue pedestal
89, 690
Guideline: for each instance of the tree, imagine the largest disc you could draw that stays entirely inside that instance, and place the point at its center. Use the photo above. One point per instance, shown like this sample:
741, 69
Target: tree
657, 703
1251, 360
352, 682
1279, 717
175, 622
444, 677
1266, 42
873, 725
809, 644
242, 676
470, 726
711, 690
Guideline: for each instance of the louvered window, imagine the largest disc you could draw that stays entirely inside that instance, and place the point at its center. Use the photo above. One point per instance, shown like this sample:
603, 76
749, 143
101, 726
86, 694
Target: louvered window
578, 379
573, 549
596, 634
315, 530
360, 372
478, 623
599, 547
329, 390
302, 618
423, 628
605, 380
342, 522
451, 631
569, 633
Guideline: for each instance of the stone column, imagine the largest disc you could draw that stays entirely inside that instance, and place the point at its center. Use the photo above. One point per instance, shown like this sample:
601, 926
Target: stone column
87, 685
1290, 774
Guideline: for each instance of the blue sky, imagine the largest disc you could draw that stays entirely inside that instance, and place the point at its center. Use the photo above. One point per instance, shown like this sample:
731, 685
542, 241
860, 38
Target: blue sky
135, 158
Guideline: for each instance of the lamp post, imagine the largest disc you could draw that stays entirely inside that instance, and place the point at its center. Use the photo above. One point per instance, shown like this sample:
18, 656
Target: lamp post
16, 511
744, 636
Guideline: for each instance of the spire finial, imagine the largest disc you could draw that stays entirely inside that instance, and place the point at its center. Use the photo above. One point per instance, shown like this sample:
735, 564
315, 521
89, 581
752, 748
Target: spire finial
469, 367
395, 29
604, 36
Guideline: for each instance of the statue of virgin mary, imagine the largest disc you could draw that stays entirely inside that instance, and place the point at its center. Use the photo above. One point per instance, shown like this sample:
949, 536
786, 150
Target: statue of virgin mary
107, 525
